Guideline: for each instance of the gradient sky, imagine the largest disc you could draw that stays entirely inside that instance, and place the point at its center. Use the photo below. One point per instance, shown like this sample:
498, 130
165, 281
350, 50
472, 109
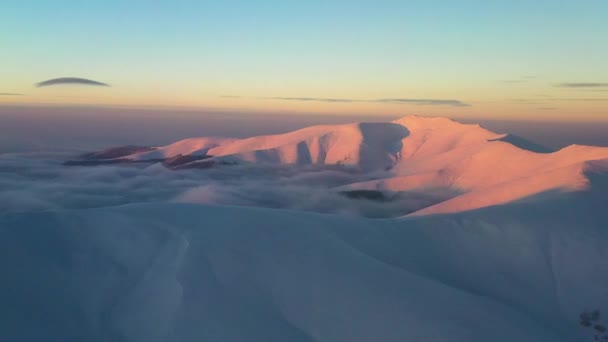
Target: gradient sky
500, 59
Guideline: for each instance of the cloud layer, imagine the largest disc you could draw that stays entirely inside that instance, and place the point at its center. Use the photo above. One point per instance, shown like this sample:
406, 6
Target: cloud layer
308, 99
426, 102
583, 85
34, 182
70, 81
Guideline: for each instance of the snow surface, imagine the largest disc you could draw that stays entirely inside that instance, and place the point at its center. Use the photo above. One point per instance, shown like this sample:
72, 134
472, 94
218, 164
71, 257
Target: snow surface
181, 272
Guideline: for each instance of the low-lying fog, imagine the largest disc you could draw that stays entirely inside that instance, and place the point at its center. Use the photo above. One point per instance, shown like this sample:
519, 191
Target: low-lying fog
37, 181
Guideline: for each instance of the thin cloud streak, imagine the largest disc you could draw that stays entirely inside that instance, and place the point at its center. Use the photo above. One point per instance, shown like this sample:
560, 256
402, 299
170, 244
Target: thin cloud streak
308, 99
529, 101
11, 94
549, 100
426, 102
582, 85
421, 102
590, 100
70, 81
512, 81
522, 79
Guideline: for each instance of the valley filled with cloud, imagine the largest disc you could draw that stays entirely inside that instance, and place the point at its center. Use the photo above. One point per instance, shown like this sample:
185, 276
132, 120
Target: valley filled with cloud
39, 182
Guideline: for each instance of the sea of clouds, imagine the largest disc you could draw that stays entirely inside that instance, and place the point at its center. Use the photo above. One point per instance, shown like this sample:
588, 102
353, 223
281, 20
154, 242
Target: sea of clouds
40, 181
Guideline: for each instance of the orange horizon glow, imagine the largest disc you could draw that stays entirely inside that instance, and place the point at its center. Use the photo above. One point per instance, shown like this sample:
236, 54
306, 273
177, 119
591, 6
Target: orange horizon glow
541, 108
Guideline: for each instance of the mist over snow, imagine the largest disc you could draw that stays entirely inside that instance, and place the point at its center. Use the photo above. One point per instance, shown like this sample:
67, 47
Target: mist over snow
38, 182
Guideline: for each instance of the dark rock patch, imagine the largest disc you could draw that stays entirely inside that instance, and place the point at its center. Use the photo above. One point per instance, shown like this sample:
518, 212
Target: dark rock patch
116, 152
372, 195
181, 160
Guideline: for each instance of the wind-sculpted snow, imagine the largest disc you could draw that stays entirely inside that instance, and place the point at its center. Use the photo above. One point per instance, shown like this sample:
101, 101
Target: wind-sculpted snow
179, 272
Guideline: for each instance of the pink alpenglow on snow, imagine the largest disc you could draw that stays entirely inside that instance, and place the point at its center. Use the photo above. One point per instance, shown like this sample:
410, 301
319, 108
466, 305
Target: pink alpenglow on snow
417, 154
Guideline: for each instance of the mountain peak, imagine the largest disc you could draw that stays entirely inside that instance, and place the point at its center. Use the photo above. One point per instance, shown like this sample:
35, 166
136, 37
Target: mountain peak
416, 152
427, 119
418, 122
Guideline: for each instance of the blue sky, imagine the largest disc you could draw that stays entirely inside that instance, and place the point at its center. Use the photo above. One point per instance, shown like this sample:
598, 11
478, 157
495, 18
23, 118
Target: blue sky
193, 52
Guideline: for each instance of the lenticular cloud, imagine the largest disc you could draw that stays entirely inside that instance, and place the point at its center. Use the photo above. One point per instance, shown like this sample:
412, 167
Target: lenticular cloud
71, 81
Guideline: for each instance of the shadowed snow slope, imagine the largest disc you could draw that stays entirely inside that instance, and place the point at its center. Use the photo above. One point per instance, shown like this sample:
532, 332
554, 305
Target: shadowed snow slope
487, 169
180, 272
420, 153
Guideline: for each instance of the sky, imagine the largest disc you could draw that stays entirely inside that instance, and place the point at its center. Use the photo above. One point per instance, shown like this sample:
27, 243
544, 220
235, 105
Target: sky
524, 60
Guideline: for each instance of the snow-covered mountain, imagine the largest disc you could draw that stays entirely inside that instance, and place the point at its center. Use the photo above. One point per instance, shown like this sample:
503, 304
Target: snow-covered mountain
516, 248
419, 153
366, 145
484, 166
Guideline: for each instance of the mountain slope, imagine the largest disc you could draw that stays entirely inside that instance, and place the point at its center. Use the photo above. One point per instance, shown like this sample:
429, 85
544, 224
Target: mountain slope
419, 153
441, 153
367, 145
167, 272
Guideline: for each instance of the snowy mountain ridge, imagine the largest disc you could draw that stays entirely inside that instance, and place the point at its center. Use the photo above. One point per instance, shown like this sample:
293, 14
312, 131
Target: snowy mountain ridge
418, 153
